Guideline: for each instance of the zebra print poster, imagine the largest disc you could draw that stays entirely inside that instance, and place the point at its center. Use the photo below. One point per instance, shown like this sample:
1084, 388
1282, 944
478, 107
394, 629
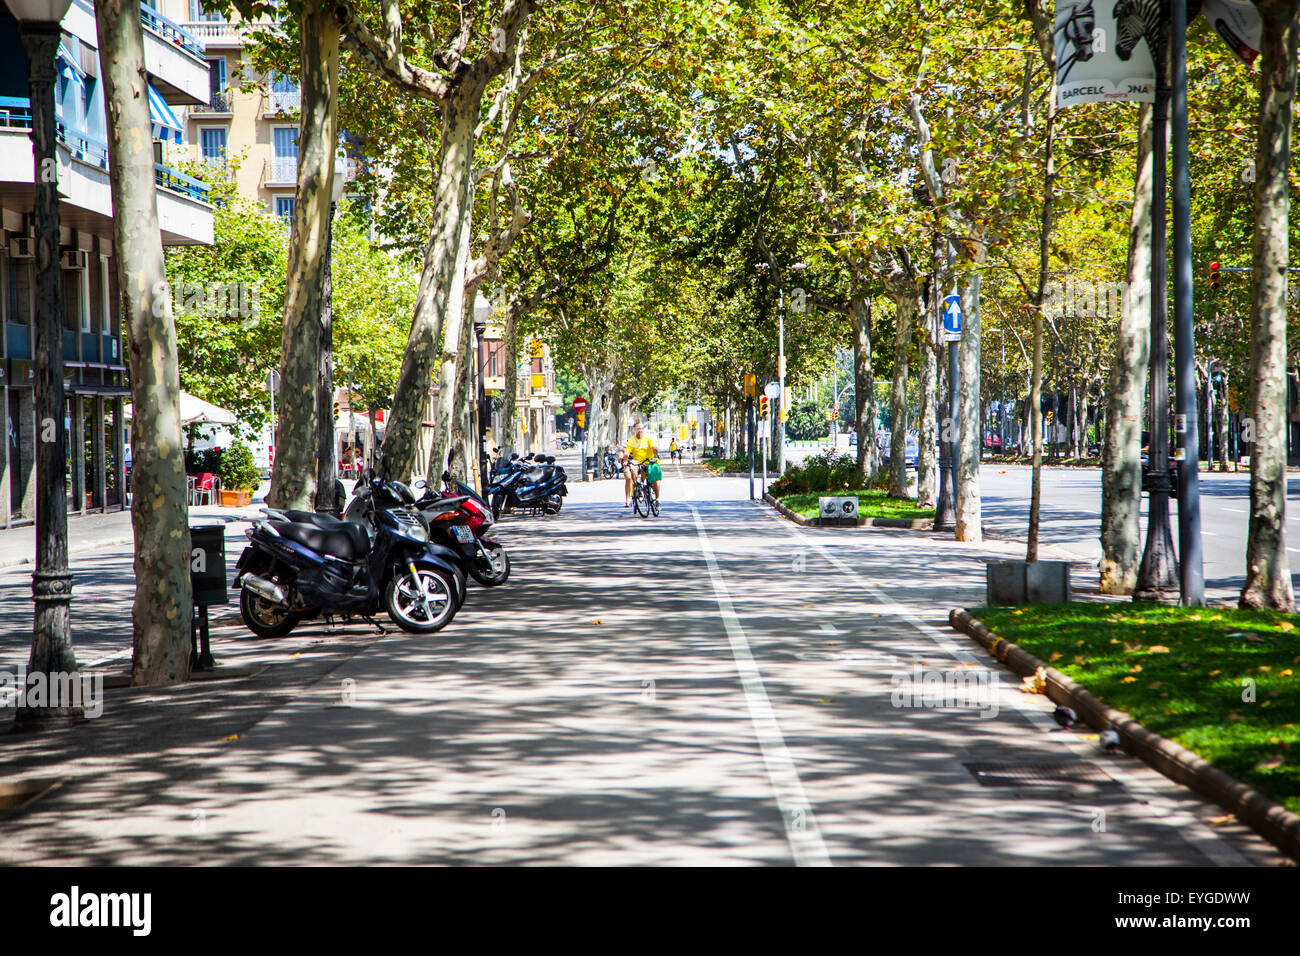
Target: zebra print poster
1103, 51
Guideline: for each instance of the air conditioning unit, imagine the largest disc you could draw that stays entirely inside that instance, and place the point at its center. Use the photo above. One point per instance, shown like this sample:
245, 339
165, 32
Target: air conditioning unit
22, 248
832, 511
73, 259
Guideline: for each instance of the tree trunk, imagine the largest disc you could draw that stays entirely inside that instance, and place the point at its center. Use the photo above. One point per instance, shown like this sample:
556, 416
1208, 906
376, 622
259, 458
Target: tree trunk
927, 464
1221, 425
510, 410
969, 526
159, 517
907, 310
1126, 392
454, 341
441, 294
864, 385
1268, 570
293, 476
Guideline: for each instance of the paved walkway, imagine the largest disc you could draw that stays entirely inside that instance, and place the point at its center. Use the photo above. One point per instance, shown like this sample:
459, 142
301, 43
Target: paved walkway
717, 686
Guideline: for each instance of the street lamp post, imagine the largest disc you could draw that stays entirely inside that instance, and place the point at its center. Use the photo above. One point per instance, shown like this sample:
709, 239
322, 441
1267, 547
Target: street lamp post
52, 652
326, 467
1158, 574
780, 362
482, 312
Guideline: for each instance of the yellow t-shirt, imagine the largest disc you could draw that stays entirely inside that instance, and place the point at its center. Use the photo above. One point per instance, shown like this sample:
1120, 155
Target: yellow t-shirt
640, 449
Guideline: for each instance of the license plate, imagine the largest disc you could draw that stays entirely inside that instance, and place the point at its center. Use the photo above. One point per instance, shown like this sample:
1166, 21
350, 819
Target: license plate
462, 533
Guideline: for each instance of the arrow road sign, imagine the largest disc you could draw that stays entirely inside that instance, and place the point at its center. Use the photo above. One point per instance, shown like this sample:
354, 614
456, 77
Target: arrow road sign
952, 319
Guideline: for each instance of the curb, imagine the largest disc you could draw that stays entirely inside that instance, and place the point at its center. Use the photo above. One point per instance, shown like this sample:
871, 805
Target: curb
111, 543
912, 524
1270, 820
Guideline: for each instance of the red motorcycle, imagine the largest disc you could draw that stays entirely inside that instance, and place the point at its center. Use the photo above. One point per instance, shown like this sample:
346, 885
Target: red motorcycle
461, 522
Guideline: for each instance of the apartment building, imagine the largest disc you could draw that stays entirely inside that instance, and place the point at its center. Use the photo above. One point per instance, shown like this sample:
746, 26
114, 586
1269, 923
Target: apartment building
247, 115
94, 360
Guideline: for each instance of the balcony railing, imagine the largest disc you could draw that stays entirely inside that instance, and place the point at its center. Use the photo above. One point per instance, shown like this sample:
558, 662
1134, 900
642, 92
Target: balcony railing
285, 102
172, 32
281, 170
82, 146
15, 112
221, 103
175, 180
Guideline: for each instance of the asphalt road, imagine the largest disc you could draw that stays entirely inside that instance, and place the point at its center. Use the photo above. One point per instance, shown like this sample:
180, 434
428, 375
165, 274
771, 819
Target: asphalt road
717, 686
1071, 516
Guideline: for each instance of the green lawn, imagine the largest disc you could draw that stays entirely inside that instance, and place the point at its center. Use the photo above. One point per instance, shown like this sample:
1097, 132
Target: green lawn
1183, 672
739, 464
871, 504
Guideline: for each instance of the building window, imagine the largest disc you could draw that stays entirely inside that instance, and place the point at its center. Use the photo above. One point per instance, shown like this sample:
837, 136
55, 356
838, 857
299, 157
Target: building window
199, 15
284, 93
105, 316
20, 291
85, 299
217, 93
284, 160
212, 145
284, 208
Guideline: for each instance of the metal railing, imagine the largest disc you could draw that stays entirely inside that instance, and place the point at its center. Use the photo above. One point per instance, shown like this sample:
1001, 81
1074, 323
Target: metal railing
83, 146
15, 112
221, 103
169, 31
176, 181
281, 170
285, 102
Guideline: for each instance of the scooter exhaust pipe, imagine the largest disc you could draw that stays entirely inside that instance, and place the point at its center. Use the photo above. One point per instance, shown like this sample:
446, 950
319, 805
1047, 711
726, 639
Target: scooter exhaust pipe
266, 590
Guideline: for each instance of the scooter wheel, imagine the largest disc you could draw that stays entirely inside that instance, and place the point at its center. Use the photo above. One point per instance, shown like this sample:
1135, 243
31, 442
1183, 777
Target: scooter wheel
498, 574
402, 601
264, 618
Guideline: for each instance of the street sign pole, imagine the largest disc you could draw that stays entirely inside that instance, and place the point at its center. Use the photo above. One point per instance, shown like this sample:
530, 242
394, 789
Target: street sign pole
1192, 576
749, 417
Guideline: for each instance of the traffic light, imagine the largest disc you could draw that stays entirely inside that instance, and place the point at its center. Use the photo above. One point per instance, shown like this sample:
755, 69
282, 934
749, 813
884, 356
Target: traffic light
751, 385
1214, 277
336, 411
762, 406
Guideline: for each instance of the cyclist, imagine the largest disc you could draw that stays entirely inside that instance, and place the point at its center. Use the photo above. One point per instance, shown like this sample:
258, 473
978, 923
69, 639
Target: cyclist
672, 449
640, 451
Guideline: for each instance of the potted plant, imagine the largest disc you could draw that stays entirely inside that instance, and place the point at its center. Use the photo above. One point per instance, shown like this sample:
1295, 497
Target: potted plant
239, 476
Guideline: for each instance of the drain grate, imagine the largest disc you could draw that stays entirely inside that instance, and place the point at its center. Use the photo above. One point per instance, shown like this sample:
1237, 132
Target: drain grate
1043, 773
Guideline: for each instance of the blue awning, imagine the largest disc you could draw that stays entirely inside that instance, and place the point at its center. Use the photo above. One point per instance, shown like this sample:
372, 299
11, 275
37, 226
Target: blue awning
165, 124
69, 64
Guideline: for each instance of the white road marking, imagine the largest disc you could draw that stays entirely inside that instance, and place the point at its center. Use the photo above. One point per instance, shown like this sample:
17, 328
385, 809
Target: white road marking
1161, 807
800, 825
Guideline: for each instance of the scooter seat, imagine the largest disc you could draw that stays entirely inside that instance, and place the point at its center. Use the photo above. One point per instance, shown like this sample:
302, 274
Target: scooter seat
344, 539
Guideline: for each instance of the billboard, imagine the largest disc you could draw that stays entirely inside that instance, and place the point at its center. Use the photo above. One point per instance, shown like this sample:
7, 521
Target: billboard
1237, 24
1103, 51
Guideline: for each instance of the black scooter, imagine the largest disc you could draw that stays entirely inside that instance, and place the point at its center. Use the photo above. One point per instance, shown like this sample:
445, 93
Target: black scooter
299, 565
538, 484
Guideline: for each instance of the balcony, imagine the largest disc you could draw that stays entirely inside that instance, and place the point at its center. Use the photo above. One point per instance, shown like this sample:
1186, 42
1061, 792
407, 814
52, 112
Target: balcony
216, 33
281, 171
222, 104
287, 101
184, 215
174, 58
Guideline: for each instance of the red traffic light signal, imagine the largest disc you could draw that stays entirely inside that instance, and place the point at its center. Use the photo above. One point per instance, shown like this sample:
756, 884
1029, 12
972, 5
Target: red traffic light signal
1214, 277
762, 406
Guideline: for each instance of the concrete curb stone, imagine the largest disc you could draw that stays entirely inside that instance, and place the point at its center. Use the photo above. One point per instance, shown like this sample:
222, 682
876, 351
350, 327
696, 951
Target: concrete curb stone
1270, 820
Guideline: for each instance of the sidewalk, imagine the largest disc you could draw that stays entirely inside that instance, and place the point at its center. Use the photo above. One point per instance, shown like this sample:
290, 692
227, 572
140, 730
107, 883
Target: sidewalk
98, 531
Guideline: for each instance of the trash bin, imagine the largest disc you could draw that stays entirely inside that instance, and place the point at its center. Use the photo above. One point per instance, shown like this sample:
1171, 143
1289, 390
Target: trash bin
208, 583
593, 465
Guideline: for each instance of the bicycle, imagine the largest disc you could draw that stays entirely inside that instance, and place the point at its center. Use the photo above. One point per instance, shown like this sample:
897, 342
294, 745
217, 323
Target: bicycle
643, 493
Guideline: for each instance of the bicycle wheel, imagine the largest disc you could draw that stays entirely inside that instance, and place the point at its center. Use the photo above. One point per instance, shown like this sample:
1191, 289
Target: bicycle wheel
654, 502
636, 499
